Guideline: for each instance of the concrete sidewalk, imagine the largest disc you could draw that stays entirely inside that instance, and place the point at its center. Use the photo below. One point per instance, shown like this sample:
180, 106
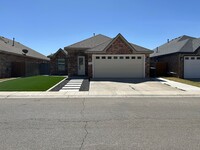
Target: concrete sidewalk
5, 95
181, 86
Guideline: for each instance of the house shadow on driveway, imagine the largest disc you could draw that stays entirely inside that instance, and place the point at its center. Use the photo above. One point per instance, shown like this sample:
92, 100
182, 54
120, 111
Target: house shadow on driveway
127, 80
195, 80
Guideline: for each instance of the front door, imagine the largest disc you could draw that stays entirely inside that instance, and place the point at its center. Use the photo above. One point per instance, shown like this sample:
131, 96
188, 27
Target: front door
81, 65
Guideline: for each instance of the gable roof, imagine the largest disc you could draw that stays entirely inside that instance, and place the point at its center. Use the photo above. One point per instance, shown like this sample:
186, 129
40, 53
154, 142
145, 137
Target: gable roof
182, 44
6, 46
100, 42
58, 51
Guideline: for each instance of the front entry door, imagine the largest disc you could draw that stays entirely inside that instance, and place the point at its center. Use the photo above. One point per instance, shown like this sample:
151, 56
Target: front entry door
81, 65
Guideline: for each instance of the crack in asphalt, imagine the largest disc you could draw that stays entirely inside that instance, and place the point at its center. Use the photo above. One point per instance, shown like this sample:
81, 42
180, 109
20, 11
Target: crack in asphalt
85, 126
84, 138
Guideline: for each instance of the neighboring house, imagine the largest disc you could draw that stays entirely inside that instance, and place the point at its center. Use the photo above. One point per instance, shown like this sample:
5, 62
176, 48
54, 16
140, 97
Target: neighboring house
17, 60
59, 63
182, 56
104, 57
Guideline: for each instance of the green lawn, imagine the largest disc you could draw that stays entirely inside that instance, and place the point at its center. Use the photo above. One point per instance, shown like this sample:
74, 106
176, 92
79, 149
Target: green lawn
190, 82
35, 83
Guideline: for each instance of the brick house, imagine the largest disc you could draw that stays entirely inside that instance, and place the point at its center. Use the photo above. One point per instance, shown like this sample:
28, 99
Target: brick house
181, 55
104, 57
59, 63
17, 60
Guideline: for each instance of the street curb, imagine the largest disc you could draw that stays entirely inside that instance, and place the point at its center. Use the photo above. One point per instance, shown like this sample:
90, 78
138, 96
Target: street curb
13, 96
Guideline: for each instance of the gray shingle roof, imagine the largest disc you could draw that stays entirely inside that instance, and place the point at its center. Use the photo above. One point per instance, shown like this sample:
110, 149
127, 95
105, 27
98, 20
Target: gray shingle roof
100, 47
139, 48
99, 43
90, 42
6, 46
181, 44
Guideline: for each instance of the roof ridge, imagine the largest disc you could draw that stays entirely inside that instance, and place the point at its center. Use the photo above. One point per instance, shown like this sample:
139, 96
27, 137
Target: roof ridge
184, 37
102, 43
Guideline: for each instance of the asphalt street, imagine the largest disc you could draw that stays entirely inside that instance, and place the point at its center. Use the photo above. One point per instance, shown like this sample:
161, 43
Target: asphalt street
100, 124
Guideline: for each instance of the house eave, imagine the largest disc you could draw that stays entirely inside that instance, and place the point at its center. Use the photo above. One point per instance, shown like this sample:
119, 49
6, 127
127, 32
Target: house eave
21, 55
75, 48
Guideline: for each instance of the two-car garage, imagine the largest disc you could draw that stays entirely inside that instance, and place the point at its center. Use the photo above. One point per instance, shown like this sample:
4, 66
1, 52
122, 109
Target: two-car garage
118, 66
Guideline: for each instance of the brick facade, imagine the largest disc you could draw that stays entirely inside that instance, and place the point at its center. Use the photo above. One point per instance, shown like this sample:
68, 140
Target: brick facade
6, 61
172, 62
54, 63
119, 47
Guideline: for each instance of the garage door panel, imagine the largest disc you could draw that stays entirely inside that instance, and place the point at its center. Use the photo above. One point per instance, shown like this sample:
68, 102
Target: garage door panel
118, 68
192, 67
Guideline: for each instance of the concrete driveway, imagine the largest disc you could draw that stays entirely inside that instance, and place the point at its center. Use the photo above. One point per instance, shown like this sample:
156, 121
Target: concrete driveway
130, 87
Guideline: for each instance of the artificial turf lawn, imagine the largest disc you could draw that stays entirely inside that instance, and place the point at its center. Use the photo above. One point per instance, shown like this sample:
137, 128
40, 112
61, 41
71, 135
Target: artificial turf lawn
194, 83
35, 83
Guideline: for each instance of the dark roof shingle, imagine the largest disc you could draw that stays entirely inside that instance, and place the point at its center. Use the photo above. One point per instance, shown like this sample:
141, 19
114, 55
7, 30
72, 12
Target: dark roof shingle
180, 44
90, 42
6, 46
98, 43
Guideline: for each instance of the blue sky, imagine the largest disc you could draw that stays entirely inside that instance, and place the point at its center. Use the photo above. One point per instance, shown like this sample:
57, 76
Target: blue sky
47, 25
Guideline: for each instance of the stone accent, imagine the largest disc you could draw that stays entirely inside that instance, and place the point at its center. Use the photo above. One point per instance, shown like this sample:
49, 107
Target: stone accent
54, 64
6, 61
90, 73
147, 66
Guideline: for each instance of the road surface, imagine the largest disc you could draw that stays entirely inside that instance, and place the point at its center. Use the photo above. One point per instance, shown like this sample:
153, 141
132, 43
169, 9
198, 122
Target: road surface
100, 124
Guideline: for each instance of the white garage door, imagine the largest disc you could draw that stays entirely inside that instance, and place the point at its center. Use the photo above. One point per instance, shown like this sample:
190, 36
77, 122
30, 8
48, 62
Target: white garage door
192, 67
118, 66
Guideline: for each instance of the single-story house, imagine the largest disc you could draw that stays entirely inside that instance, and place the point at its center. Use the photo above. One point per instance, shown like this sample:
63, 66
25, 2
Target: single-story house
18, 60
182, 56
104, 57
59, 63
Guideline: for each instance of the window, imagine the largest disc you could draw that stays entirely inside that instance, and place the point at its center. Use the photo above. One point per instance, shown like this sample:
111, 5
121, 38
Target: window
198, 58
133, 57
97, 57
103, 57
121, 57
127, 57
139, 57
186, 58
192, 58
109, 57
61, 64
115, 57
